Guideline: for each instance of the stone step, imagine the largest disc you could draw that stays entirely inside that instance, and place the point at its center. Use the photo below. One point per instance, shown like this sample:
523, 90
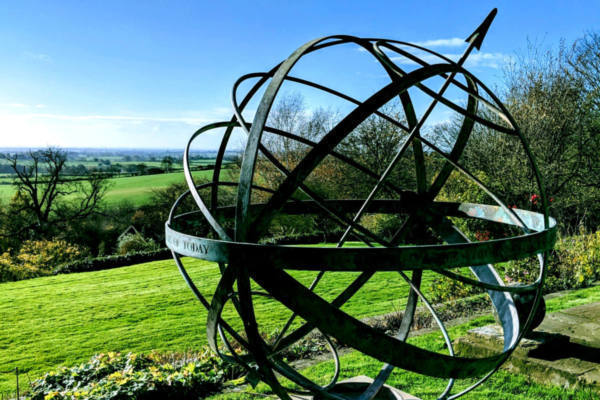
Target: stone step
581, 324
564, 350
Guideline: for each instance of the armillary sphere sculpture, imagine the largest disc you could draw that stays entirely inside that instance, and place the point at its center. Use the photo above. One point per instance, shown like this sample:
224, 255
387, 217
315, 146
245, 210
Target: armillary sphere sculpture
246, 264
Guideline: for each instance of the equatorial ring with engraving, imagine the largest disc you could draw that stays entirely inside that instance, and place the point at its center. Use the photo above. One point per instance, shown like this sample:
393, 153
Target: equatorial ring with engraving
242, 258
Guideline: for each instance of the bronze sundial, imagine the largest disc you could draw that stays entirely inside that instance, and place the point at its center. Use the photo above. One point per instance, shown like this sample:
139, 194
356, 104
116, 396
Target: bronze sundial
243, 259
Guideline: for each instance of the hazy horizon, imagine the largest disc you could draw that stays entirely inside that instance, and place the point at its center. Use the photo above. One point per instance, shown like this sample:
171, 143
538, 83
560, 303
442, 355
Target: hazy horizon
25, 148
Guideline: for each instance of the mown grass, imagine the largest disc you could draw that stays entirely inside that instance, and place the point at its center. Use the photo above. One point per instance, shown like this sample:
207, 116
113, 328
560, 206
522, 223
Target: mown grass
501, 386
65, 319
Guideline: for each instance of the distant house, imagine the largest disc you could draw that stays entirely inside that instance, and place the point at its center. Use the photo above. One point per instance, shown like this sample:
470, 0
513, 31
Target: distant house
129, 231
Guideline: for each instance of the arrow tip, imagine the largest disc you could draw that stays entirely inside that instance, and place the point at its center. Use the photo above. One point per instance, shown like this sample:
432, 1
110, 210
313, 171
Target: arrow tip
476, 38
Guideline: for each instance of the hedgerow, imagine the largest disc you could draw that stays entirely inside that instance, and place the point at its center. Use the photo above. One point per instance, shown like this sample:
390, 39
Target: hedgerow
574, 263
108, 262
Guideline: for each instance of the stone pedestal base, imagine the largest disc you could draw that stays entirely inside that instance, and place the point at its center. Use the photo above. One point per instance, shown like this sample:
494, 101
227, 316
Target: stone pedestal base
564, 350
352, 388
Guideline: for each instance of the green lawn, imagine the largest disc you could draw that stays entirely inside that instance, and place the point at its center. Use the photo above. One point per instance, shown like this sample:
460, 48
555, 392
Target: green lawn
501, 386
65, 319
136, 189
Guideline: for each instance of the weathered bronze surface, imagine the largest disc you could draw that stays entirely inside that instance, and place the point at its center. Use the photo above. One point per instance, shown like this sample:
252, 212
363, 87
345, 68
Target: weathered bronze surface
242, 259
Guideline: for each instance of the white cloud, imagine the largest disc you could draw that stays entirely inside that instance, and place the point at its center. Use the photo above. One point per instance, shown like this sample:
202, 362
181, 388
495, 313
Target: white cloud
480, 59
493, 60
452, 42
37, 56
189, 117
21, 105
130, 118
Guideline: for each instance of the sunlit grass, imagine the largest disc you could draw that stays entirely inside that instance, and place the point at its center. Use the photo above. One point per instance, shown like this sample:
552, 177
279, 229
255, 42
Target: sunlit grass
502, 385
65, 319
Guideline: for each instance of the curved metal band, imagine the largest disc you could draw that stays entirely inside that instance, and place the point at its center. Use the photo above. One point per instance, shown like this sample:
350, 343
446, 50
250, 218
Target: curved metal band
377, 259
221, 296
362, 337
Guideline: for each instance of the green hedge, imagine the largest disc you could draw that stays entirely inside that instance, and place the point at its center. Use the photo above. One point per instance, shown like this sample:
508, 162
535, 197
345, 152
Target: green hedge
116, 261
304, 238
108, 262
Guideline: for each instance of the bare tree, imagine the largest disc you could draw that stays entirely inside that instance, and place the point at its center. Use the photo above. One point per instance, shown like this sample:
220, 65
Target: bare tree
291, 115
553, 96
46, 200
585, 62
585, 65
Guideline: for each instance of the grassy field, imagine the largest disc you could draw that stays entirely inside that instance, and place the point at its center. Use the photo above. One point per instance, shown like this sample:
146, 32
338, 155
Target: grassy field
150, 164
136, 189
65, 319
501, 386
6, 192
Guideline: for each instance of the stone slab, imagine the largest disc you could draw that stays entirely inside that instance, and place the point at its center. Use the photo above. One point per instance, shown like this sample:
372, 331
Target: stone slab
580, 323
564, 350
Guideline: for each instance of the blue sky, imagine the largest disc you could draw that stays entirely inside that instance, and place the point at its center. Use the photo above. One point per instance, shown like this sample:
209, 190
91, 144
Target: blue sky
148, 74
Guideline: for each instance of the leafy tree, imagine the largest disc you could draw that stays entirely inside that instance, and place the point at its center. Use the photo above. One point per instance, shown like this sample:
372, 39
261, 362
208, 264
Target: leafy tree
584, 62
150, 218
374, 144
167, 163
141, 169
